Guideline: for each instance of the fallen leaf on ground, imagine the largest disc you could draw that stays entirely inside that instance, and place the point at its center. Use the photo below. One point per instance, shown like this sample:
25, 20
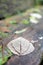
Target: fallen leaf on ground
4, 29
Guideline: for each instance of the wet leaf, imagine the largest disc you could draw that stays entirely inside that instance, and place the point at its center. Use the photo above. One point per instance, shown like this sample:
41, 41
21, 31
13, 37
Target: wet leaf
20, 46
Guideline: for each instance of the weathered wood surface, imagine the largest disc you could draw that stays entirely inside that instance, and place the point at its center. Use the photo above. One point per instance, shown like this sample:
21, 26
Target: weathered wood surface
31, 34
31, 59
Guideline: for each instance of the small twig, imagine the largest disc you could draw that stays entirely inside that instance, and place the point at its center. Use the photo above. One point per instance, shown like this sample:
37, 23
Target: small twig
2, 51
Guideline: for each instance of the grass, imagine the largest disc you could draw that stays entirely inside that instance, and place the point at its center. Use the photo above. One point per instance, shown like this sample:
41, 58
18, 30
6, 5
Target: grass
5, 56
2, 34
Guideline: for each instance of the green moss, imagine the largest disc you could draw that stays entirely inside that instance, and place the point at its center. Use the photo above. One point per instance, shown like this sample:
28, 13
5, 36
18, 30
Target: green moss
25, 22
13, 22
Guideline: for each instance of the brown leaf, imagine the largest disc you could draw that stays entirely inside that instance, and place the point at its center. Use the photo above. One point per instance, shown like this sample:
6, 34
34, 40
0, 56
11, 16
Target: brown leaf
4, 29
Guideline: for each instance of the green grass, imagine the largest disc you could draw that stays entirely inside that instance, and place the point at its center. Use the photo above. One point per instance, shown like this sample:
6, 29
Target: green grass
5, 56
2, 34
